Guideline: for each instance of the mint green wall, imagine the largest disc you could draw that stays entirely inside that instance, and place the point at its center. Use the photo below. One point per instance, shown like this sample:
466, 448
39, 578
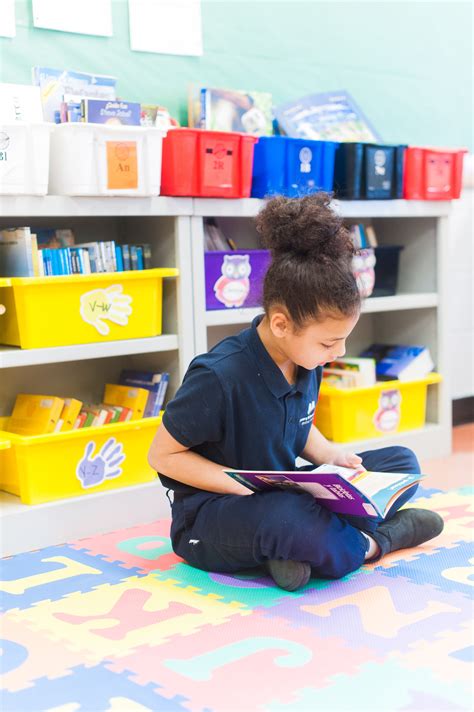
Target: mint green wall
408, 64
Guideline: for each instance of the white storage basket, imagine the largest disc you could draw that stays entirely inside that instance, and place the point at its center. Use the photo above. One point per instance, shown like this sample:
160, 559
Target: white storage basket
24, 158
98, 159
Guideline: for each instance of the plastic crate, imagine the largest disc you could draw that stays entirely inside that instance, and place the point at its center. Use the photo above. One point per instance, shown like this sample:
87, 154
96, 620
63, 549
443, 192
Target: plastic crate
347, 414
81, 309
292, 166
103, 159
24, 158
433, 173
386, 270
203, 163
43, 468
235, 279
369, 171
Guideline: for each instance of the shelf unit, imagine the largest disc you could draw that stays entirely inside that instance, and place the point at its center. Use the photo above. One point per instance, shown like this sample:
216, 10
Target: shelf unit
174, 227
417, 314
82, 370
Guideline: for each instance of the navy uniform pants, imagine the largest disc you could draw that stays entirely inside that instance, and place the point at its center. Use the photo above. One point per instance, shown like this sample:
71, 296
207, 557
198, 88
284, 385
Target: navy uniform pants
230, 533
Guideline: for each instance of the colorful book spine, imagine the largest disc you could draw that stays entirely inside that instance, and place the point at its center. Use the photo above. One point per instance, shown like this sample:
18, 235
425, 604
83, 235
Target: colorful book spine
119, 258
127, 262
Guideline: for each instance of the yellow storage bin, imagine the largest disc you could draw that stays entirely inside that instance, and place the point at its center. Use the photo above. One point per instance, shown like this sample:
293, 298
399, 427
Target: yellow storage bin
82, 308
389, 407
42, 468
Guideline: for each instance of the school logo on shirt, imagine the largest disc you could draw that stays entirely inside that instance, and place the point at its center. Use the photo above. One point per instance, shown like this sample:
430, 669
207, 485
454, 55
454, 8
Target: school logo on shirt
309, 417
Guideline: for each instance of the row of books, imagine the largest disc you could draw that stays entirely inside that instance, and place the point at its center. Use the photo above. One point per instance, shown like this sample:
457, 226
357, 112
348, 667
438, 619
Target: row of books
58, 95
380, 362
47, 252
62, 95
325, 116
93, 257
363, 236
215, 239
139, 394
74, 109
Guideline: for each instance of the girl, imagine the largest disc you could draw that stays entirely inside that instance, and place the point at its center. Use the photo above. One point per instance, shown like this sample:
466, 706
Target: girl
249, 404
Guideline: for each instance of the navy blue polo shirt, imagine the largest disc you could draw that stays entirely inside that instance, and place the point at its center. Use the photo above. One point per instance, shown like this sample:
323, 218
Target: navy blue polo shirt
236, 408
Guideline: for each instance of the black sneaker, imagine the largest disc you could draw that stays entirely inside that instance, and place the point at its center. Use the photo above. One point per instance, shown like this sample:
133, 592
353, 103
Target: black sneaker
289, 575
407, 528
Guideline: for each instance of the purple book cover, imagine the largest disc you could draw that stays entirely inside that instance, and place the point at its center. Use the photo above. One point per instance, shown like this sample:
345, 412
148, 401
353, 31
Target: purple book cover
335, 491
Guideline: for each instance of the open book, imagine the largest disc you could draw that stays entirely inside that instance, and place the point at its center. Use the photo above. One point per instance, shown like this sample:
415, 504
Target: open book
340, 489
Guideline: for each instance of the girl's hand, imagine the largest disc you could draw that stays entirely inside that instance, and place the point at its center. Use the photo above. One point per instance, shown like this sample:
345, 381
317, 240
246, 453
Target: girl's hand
346, 459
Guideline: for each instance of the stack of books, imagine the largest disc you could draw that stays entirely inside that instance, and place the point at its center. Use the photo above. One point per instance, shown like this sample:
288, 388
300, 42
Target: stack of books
49, 252
66, 96
350, 372
400, 362
140, 394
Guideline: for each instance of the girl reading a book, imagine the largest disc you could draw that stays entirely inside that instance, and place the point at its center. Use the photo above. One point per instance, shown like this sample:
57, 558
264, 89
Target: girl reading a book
249, 404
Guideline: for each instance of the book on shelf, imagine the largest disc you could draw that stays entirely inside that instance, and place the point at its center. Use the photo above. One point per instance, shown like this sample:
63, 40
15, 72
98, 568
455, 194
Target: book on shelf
399, 362
55, 83
371, 236
217, 109
114, 111
342, 490
326, 116
214, 238
157, 116
35, 414
128, 396
69, 414
155, 383
16, 252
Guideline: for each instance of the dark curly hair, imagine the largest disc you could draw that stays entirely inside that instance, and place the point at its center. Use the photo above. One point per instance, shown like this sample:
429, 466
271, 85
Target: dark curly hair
311, 273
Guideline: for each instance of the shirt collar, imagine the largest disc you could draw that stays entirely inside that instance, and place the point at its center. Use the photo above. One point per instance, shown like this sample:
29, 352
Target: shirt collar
271, 374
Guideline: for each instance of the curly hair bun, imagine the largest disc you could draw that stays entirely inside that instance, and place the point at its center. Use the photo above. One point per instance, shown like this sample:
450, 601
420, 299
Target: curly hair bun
305, 227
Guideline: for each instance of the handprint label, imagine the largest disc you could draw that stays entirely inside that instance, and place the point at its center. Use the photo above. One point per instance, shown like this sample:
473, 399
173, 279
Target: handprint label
92, 471
100, 305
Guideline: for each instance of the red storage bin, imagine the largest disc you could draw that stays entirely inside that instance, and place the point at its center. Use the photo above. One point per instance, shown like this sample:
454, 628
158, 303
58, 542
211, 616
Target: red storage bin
207, 164
432, 173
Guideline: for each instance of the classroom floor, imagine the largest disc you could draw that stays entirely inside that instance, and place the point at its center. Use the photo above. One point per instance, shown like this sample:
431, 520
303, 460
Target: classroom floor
118, 622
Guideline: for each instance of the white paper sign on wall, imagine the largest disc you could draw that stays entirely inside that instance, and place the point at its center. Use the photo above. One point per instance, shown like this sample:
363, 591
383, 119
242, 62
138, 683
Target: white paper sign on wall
166, 26
85, 17
7, 18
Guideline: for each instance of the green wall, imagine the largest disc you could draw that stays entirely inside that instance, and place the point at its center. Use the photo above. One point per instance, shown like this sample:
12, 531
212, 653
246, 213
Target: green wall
408, 64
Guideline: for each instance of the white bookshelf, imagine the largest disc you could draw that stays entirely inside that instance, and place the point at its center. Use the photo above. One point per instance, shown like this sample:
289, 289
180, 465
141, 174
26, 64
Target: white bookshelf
12, 356
174, 227
26, 527
81, 370
416, 314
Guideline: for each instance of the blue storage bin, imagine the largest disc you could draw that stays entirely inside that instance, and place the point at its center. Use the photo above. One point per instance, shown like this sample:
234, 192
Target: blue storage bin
292, 166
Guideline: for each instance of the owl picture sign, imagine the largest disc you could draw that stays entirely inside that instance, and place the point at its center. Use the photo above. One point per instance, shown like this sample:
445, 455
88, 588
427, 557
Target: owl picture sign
235, 279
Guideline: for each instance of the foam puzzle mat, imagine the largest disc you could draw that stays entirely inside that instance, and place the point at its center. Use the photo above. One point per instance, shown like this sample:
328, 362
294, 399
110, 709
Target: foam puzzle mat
119, 622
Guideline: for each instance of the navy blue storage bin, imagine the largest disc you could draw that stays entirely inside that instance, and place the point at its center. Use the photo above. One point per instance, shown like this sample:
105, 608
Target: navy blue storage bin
292, 166
369, 171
